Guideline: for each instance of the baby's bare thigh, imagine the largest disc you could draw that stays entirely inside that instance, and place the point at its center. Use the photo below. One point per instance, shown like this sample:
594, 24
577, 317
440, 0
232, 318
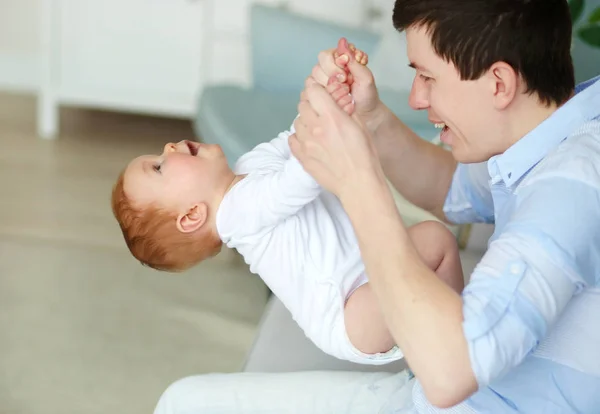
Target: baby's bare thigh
433, 241
364, 322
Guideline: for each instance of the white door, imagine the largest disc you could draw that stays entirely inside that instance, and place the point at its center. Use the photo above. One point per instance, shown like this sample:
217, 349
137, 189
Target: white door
142, 54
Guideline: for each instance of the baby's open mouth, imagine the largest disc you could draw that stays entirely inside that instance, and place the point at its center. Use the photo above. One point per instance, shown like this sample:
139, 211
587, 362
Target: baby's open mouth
192, 147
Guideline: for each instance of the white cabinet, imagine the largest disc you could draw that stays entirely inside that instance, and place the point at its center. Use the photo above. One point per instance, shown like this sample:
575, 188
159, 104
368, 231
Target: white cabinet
145, 51
153, 56
134, 55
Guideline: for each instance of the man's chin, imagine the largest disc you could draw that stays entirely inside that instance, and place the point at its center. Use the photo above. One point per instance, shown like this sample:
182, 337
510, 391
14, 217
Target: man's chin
464, 156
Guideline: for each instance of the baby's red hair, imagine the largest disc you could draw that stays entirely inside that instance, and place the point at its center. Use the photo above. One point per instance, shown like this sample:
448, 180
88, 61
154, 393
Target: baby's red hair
153, 239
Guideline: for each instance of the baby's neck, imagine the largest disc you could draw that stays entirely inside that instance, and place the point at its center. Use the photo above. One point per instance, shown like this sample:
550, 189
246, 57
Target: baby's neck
224, 187
236, 179
228, 185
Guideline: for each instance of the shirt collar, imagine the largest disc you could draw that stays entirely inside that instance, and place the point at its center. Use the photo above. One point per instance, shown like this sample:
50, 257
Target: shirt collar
529, 150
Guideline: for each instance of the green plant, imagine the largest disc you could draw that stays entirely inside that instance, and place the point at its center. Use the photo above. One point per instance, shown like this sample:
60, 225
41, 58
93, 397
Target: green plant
589, 31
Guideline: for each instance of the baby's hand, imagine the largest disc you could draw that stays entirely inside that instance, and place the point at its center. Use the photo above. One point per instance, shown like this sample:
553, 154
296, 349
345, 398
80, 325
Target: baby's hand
340, 91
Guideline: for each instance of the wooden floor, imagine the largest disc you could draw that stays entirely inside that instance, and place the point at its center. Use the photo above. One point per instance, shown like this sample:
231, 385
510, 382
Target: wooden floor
86, 329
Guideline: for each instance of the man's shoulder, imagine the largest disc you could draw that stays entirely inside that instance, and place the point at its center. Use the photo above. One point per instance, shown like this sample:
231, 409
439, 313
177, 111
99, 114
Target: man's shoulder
576, 158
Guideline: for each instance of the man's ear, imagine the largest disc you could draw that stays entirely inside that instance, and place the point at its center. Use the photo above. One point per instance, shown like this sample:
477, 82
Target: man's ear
193, 219
504, 82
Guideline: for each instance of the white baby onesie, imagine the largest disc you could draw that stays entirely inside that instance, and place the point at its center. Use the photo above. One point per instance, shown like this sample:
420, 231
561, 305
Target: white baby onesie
297, 237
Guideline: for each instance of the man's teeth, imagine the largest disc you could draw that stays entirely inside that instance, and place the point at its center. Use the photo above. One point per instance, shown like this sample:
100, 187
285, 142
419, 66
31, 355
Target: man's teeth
440, 125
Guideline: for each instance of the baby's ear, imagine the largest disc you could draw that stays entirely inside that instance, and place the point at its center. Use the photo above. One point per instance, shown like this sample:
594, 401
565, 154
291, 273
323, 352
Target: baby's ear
193, 219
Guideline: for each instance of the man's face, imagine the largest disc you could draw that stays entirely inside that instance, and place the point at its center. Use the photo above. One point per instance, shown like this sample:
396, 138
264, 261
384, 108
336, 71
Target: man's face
464, 108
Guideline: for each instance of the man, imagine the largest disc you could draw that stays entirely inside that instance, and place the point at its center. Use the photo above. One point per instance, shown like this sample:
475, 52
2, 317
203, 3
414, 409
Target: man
497, 76
479, 75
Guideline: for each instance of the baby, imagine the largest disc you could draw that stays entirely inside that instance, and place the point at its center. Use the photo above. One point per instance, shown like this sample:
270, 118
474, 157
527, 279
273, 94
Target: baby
178, 208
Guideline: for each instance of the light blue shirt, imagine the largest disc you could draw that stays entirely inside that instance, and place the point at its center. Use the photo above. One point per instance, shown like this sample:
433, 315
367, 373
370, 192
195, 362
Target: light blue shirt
532, 306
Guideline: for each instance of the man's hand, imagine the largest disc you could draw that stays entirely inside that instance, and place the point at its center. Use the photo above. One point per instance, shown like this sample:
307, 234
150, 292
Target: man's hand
347, 65
332, 146
410, 163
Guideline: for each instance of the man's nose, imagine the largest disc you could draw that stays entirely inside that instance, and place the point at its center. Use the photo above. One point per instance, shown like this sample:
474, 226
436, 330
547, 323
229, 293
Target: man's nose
419, 95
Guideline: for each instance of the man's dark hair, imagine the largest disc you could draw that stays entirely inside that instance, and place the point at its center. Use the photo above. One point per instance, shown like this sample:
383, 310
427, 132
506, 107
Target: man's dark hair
533, 36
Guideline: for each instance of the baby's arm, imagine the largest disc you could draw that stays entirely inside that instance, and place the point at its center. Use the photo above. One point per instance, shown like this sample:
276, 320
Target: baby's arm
275, 188
279, 186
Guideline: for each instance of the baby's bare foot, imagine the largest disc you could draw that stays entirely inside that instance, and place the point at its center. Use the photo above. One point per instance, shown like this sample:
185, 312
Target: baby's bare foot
349, 49
346, 51
340, 91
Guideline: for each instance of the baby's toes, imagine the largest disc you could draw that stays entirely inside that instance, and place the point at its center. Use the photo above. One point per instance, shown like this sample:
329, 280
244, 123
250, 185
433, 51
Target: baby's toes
361, 57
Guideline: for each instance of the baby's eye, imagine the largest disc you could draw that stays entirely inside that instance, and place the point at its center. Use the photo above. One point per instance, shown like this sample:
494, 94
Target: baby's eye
157, 168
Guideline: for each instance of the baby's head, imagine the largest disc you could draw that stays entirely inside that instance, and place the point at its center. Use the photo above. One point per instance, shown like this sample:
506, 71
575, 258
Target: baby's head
166, 204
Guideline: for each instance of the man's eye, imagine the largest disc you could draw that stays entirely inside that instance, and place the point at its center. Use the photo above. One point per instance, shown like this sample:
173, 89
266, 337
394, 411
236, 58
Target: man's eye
425, 78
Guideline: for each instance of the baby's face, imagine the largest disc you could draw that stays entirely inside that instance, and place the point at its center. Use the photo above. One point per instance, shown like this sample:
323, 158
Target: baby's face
185, 174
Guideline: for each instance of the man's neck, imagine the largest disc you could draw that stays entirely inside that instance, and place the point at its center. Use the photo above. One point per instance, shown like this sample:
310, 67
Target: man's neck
526, 115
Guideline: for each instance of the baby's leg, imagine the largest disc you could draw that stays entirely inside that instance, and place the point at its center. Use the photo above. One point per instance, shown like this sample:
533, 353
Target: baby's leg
438, 249
364, 321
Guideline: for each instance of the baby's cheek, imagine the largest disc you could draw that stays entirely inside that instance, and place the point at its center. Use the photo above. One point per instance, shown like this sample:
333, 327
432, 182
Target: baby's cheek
181, 176
198, 177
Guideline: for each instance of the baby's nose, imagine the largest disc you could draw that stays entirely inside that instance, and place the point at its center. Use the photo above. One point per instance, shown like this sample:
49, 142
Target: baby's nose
170, 147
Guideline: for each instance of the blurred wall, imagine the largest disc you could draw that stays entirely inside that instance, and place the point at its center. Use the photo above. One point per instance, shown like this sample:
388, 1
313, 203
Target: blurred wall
20, 45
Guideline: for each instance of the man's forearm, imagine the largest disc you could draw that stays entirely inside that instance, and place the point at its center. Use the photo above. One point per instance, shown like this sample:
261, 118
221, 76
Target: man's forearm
423, 314
419, 170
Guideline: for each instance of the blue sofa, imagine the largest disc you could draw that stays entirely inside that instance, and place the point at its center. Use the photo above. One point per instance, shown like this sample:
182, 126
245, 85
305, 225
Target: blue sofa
284, 49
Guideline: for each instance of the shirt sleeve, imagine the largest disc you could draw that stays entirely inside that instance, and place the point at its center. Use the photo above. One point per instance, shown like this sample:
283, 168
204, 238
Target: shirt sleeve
469, 199
548, 251
276, 187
